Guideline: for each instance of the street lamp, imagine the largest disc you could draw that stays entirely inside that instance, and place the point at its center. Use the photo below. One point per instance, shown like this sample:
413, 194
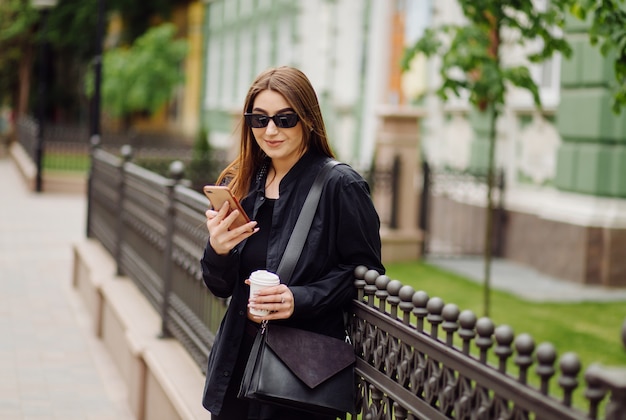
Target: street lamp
44, 6
94, 119
94, 131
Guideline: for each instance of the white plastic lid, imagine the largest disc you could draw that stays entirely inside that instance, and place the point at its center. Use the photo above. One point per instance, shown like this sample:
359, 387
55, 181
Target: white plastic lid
264, 277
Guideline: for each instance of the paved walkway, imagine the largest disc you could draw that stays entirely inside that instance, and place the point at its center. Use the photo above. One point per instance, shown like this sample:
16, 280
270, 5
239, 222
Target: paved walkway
51, 365
527, 283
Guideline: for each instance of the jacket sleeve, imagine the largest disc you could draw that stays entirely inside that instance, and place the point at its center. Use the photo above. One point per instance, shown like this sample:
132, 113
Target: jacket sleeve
351, 227
219, 272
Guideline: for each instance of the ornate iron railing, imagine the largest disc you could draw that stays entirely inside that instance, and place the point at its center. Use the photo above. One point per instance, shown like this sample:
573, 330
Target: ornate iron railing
407, 370
413, 351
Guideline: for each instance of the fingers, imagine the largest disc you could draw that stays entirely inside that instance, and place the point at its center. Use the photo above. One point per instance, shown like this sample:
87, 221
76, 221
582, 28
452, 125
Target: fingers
276, 299
223, 240
222, 218
218, 223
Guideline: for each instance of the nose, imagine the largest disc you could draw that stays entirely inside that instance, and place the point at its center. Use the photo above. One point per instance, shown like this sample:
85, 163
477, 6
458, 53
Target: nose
271, 127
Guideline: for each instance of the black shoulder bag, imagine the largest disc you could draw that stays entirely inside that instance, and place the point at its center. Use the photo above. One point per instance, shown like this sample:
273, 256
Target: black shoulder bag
295, 368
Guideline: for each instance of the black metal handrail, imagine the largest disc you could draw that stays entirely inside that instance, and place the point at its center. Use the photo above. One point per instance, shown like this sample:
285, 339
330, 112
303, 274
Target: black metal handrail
405, 369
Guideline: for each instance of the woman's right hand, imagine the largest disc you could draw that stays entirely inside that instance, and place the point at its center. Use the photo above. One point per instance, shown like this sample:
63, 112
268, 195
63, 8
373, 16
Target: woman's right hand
221, 239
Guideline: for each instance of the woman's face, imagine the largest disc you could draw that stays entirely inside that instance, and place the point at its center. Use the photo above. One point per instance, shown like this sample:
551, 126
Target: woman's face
282, 145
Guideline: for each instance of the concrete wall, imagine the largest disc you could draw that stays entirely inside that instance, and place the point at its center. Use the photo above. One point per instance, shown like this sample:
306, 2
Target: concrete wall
397, 138
163, 382
581, 254
52, 182
590, 254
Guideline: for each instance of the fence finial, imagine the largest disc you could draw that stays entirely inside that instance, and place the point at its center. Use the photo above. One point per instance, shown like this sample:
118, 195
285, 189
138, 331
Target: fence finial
546, 356
177, 170
94, 140
420, 300
127, 152
504, 339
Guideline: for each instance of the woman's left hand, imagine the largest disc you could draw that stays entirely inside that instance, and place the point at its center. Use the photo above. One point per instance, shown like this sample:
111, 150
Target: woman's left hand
276, 299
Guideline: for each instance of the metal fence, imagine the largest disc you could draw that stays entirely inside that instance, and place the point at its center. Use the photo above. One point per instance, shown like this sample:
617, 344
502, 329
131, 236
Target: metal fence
410, 368
66, 149
453, 212
154, 227
413, 351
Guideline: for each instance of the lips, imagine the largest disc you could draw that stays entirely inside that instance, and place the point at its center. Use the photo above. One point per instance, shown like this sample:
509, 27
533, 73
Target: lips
273, 143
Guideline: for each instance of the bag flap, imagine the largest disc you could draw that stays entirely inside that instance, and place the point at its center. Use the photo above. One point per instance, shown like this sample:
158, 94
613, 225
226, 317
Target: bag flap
310, 356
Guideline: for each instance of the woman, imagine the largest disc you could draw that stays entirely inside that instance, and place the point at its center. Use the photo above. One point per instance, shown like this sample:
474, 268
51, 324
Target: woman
283, 146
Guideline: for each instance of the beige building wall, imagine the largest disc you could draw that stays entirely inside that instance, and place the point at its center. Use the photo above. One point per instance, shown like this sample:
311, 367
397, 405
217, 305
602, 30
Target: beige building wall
190, 110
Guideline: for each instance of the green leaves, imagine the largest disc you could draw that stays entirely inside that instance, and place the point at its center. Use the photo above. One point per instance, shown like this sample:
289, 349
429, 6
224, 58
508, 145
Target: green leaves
471, 61
16, 39
472, 49
470, 53
520, 77
608, 31
143, 77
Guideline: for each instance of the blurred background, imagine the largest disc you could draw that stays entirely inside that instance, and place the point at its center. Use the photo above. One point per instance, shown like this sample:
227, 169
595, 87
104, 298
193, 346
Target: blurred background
168, 78
492, 134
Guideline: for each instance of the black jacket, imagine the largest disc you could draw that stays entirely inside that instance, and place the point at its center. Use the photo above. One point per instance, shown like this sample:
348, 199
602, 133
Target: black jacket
343, 235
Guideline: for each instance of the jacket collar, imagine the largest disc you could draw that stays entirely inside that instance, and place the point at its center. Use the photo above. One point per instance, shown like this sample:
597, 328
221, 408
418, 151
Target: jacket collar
304, 165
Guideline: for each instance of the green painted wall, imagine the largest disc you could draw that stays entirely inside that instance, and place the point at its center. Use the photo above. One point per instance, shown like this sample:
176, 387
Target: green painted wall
591, 157
218, 27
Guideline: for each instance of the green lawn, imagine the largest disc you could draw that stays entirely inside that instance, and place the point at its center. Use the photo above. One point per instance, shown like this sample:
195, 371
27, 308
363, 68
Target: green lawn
64, 161
591, 330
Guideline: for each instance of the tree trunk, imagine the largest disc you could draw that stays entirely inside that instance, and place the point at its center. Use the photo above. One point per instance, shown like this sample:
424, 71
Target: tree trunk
489, 215
494, 52
24, 76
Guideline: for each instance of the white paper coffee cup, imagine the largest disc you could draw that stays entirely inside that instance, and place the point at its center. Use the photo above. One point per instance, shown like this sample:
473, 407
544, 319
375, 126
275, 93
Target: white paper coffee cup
258, 280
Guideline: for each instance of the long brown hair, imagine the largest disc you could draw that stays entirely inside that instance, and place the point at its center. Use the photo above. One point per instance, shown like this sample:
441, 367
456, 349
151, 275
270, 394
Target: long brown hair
297, 90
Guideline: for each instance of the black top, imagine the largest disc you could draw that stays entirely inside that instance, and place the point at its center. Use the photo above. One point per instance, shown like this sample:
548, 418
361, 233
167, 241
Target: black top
254, 253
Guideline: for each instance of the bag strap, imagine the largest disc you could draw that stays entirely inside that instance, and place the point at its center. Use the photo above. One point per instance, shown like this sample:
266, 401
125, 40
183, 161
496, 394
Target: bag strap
303, 224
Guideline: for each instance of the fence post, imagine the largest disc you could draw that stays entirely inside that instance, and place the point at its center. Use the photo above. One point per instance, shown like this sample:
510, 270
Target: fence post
500, 216
395, 192
44, 58
94, 143
176, 171
127, 153
424, 204
601, 379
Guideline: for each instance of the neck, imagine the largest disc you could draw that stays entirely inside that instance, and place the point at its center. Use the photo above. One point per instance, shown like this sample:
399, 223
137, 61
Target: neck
281, 167
277, 170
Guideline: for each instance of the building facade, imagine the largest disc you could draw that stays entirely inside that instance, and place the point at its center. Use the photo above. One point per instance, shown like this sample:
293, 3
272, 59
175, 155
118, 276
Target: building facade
341, 45
565, 166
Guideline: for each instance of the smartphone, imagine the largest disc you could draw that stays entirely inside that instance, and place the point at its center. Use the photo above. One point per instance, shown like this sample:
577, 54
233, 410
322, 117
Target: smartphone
217, 195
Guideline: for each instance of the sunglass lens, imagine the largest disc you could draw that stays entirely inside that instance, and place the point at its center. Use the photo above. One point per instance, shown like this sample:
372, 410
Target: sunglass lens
286, 120
256, 120
281, 120
260, 121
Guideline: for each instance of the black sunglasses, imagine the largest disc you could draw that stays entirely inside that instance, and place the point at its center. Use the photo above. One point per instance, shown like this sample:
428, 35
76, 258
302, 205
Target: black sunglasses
281, 120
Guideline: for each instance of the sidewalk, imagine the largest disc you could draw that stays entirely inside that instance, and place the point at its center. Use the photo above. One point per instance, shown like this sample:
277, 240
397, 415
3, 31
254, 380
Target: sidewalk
51, 365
